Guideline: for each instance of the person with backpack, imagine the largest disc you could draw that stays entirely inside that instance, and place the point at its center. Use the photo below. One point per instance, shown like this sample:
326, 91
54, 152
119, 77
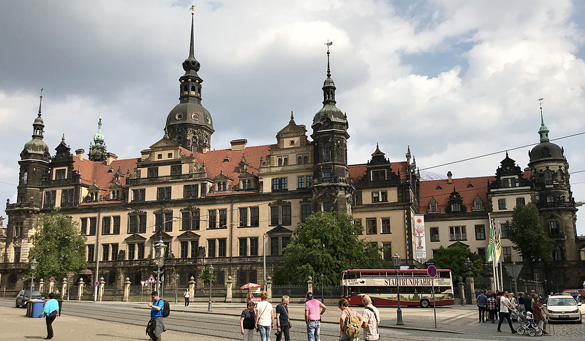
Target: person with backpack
247, 321
155, 326
350, 322
371, 320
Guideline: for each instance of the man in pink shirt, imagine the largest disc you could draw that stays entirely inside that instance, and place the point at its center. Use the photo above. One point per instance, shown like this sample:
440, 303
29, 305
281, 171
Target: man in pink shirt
313, 311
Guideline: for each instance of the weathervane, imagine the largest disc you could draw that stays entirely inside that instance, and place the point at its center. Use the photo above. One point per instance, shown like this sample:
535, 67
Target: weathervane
328, 43
40, 102
192, 9
541, 117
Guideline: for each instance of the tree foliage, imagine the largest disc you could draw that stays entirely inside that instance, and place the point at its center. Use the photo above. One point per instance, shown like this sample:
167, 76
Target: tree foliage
454, 258
527, 232
207, 276
58, 247
326, 243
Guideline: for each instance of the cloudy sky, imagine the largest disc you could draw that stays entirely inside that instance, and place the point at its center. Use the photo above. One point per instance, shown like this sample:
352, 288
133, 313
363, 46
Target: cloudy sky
452, 79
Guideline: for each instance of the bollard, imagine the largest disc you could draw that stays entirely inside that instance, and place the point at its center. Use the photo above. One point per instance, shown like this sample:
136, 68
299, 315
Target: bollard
228, 286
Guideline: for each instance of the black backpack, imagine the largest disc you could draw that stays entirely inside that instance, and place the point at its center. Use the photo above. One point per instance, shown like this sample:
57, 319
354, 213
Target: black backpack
166, 308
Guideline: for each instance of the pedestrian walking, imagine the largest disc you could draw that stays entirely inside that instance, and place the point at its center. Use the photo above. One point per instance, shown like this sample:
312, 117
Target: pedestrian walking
491, 307
313, 311
371, 320
505, 308
155, 326
282, 320
264, 317
539, 315
186, 294
482, 305
247, 321
50, 312
344, 320
521, 306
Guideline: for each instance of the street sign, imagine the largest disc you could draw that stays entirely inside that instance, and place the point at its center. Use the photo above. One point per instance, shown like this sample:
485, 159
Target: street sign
97, 284
431, 262
151, 279
52, 279
432, 271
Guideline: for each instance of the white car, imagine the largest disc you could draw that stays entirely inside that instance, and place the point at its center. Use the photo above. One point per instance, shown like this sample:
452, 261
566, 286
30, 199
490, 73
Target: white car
563, 308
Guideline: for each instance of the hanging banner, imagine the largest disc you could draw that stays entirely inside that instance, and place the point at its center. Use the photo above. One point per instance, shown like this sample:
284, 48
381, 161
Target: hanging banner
419, 235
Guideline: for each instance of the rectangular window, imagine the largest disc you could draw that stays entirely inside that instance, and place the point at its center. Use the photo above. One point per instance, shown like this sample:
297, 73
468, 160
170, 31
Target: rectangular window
371, 226
223, 218
195, 220
152, 172
375, 196
142, 223
384, 196
280, 184
84, 226
211, 248
190, 191
254, 246
194, 248
327, 206
50, 199
481, 253
502, 204
243, 216
17, 254
116, 229
243, 244
90, 253
92, 226
285, 242
274, 246
133, 226
184, 249
378, 175
212, 219
254, 216
163, 193
286, 215
131, 251
507, 252
387, 251
457, 233
504, 228
554, 228
309, 180
105, 252
520, 201
185, 221
274, 215
140, 248
300, 182
386, 226
305, 212
168, 222
434, 234
114, 248
60, 174
222, 247
480, 232
138, 194
106, 222
67, 198
176, 169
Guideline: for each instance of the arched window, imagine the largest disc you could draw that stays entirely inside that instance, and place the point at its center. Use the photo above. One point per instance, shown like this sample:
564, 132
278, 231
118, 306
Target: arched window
299, 160
286, 161
279, 161
25, 178
193, 88
547, 177
305, 159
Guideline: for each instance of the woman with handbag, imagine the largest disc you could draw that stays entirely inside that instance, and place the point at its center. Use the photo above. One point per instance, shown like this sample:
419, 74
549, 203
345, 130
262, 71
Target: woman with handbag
50, 312
264, 317
247, 321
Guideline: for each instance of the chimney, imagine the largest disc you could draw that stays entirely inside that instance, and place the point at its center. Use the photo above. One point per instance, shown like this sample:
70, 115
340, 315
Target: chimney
79, 153
449, 177
110, 157
238, 145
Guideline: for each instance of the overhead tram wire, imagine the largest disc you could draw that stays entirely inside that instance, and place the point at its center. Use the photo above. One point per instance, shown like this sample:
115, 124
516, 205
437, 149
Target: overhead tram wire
499, 152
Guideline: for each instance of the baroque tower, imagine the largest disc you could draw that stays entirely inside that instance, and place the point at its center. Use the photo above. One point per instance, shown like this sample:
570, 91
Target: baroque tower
555, 202
97, 150
189, 123
332, 187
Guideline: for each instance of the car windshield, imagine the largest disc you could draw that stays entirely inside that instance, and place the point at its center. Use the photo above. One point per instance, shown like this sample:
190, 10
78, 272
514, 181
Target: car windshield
35, 293
563, 302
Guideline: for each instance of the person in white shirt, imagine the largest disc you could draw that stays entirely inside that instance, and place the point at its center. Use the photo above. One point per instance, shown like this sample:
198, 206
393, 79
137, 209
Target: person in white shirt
371, 320
264, 317
505, 307
186, 294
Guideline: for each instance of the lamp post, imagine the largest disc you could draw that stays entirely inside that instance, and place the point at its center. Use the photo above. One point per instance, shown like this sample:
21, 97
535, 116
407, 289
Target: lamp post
33, 267
210, 281
469, 267
159, 249
322, 296
396, 261
264, 259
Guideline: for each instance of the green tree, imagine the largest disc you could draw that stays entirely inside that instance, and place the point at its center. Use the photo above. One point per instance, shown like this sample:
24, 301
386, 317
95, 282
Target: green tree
58, 247
527, 232
207, 276
326, 243
454, 258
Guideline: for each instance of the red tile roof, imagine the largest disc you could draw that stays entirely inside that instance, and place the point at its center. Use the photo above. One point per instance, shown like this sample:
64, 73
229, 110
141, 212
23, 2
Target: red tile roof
468, 188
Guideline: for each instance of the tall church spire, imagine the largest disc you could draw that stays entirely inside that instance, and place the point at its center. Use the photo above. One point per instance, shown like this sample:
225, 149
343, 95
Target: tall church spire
543, 131
97, 149
189, 123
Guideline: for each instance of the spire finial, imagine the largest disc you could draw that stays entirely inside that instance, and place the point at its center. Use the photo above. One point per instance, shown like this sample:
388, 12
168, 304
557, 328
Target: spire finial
191, 47
192, 9
40, 102
328, 44
292, 116
63, 138
541, 117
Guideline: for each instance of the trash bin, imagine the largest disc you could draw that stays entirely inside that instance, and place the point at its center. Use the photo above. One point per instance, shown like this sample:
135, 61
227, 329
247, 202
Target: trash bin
38, 306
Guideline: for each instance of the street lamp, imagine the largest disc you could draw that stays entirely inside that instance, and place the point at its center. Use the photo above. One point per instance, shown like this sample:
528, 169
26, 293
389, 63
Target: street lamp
159, 249
469, 267
396, 261
33, 267
210, 281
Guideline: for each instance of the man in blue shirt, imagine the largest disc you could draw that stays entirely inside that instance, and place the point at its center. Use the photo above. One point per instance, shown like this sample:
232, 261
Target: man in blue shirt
482, 304
155, 326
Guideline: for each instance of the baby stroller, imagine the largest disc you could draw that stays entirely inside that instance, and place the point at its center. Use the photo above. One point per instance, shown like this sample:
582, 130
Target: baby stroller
529, 326
515, 315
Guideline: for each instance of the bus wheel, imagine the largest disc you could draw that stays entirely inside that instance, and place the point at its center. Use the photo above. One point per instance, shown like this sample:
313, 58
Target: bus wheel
424, 303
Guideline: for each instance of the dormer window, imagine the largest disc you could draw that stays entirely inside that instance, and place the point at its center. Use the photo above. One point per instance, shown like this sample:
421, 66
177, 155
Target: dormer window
477, 204
455, 207
433, 207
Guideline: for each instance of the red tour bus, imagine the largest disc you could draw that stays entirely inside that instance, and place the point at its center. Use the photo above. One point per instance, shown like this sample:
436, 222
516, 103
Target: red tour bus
380, 285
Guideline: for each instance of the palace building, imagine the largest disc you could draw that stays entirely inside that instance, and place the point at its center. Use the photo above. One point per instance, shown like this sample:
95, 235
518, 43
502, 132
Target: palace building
233, 207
